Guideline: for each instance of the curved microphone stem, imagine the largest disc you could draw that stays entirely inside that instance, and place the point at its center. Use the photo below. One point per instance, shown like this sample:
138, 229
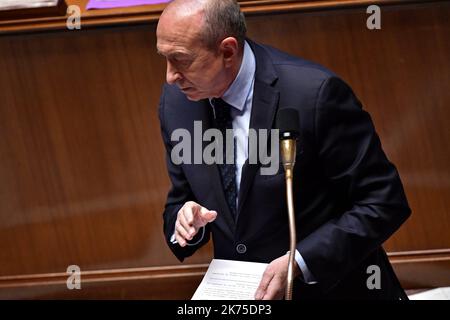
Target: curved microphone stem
288, 150
292, 234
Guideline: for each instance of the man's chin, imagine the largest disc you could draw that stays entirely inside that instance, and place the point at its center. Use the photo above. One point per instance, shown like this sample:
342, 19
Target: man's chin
193, 97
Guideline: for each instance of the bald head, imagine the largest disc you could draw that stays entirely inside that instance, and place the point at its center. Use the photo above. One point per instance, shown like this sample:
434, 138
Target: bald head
184, 7
184, 11
213, 19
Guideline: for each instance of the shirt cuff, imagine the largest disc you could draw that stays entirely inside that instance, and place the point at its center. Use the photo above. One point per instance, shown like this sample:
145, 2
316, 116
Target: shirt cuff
307, 276
174, 241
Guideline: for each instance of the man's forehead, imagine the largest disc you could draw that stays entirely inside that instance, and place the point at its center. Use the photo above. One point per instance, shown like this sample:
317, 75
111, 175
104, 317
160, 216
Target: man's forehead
175, 40
174, 43
168, 50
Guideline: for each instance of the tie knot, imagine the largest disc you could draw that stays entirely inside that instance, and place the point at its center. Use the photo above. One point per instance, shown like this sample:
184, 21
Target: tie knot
222, 110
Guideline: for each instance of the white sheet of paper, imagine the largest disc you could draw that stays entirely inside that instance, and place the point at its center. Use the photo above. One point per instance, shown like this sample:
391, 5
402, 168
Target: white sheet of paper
434, 294
24, 4
230, 280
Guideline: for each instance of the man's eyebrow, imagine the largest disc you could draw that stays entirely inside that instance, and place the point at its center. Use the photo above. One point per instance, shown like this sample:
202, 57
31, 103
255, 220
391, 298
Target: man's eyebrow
175, 54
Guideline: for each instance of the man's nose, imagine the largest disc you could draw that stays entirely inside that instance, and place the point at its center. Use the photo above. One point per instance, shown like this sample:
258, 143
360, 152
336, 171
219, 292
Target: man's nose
172, 74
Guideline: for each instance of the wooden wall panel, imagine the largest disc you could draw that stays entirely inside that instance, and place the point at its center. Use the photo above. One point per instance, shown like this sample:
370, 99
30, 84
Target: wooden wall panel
82, 173
83, 178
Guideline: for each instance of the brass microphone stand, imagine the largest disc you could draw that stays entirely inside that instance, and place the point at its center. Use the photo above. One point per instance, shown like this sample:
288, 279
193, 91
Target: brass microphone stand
288, 151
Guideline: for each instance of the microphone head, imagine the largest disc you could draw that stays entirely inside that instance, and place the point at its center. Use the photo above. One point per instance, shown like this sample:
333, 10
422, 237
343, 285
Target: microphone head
288, 123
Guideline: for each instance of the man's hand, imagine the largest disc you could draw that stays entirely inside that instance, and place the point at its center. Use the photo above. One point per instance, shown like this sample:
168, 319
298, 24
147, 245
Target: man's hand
190, 219
274, 280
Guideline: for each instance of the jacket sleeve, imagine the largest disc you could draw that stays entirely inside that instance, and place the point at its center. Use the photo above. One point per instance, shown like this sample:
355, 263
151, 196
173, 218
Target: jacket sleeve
179, 193
351, 156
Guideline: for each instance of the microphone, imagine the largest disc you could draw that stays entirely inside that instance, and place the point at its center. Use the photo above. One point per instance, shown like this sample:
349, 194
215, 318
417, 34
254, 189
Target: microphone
288, 123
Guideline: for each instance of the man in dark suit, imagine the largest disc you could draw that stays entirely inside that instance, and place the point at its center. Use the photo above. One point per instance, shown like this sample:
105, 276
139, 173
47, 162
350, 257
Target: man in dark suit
348, 196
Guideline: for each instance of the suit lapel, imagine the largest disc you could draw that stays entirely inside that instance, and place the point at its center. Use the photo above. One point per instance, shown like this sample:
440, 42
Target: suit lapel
264, 106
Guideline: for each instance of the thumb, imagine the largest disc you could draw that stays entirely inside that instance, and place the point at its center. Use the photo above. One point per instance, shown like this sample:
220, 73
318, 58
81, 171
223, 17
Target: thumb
208, 215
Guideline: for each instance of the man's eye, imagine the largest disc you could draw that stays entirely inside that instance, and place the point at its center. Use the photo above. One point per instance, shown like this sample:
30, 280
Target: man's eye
183, 62
180, 63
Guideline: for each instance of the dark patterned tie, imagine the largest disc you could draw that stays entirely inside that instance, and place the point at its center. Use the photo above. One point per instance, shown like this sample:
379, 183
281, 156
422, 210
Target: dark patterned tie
222, 122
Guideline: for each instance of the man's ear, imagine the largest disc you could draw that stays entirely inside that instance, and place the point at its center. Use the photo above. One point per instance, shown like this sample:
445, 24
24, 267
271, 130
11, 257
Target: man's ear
229, 47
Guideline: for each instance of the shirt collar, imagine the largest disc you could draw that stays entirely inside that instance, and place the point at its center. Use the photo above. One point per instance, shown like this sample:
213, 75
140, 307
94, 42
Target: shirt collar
237, 94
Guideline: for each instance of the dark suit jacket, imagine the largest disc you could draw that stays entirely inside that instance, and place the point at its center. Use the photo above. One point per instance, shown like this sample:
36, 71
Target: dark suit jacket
348, 196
